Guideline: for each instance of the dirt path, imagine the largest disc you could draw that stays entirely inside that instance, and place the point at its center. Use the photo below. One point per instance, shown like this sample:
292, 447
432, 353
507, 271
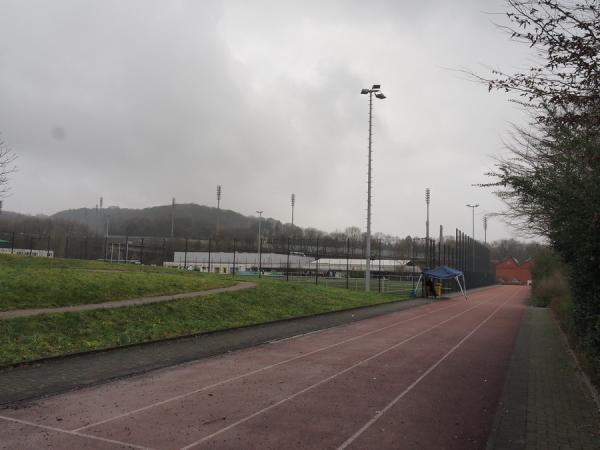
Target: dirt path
5, 315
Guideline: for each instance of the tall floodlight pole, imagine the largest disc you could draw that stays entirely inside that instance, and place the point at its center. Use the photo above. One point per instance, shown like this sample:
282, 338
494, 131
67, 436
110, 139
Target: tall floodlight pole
485, 229
219, 190
293, 204
376, 89
427, 200
473, 232
96, 220
172, 216
259, 243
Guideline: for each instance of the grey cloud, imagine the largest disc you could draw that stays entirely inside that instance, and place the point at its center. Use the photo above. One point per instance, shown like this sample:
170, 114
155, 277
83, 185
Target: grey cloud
140, 101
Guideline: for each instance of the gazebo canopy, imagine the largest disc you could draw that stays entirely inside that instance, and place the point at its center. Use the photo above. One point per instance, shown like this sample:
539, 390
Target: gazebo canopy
443, 273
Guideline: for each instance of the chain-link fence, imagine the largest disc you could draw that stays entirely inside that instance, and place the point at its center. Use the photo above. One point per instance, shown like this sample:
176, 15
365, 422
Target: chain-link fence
328, 262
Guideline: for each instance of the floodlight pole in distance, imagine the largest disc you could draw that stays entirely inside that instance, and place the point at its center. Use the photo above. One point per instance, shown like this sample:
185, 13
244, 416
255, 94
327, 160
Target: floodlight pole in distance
293, 204
376, 89
172, 216
427, 200
485, 229
473, 233
259, 243
219, 190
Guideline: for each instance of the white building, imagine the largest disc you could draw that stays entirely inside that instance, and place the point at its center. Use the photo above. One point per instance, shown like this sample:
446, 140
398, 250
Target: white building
403, 266
223, 262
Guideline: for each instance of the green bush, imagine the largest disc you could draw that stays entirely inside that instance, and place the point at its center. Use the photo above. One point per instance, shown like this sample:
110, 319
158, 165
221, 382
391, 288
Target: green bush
551, 290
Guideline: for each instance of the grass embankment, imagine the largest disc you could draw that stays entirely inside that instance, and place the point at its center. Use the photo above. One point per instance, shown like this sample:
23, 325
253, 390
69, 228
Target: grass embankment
31, 338
46, 282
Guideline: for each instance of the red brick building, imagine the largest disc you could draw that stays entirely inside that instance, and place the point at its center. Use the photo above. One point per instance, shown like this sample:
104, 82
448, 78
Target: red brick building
510, 271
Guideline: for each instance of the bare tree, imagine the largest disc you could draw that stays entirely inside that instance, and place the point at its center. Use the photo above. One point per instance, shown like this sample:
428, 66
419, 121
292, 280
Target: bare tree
7, 159
564, 87
550, 181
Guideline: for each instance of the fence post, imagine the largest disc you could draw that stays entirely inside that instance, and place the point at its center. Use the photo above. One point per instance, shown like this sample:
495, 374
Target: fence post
233, 258
287, 271
126, 249
347, 261
185, 254
142, 252
209, 252
379, 266
317, 264
260, 257
48, 247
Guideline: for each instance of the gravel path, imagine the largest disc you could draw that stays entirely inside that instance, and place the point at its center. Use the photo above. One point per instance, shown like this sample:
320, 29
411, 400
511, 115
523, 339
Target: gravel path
5, 315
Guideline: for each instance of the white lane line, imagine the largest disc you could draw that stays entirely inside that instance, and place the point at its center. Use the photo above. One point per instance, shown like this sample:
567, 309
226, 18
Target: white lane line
325, 380
74, 433
418, 380
262, 369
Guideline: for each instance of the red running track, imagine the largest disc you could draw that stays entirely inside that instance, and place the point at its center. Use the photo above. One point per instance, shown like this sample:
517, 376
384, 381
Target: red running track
424, 378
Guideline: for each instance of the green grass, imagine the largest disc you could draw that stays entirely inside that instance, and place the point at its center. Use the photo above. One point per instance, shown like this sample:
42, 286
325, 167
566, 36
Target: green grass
27, 282
31, 338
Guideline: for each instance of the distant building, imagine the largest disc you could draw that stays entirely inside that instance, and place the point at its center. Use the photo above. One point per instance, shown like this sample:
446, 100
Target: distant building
337, 266
510, 271
225, 262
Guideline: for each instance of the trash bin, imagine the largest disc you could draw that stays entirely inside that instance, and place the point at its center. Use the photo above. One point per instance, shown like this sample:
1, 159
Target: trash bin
438, 289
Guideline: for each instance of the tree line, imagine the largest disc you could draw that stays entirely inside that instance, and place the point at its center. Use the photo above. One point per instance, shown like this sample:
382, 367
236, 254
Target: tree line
550, 181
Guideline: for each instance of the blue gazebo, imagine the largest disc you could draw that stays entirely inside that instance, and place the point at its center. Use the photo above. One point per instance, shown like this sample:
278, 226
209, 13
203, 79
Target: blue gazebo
445, 273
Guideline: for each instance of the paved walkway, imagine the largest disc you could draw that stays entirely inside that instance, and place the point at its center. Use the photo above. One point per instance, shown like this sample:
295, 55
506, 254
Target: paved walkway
5, 315
545, 404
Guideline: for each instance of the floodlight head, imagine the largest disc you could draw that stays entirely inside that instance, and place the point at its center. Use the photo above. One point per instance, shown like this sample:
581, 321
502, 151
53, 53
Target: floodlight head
364, 91
376, 86
380, 96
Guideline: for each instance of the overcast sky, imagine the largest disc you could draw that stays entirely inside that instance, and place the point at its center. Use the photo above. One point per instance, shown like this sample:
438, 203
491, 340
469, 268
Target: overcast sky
142, 101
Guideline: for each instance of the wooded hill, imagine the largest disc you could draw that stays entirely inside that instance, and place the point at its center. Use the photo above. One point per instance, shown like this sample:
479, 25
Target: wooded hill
190, 221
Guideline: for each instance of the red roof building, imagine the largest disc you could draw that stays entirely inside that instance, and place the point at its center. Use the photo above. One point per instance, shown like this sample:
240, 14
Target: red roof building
510, 271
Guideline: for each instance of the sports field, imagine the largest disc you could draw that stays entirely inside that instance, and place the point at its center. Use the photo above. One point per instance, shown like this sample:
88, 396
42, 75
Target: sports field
419, 378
